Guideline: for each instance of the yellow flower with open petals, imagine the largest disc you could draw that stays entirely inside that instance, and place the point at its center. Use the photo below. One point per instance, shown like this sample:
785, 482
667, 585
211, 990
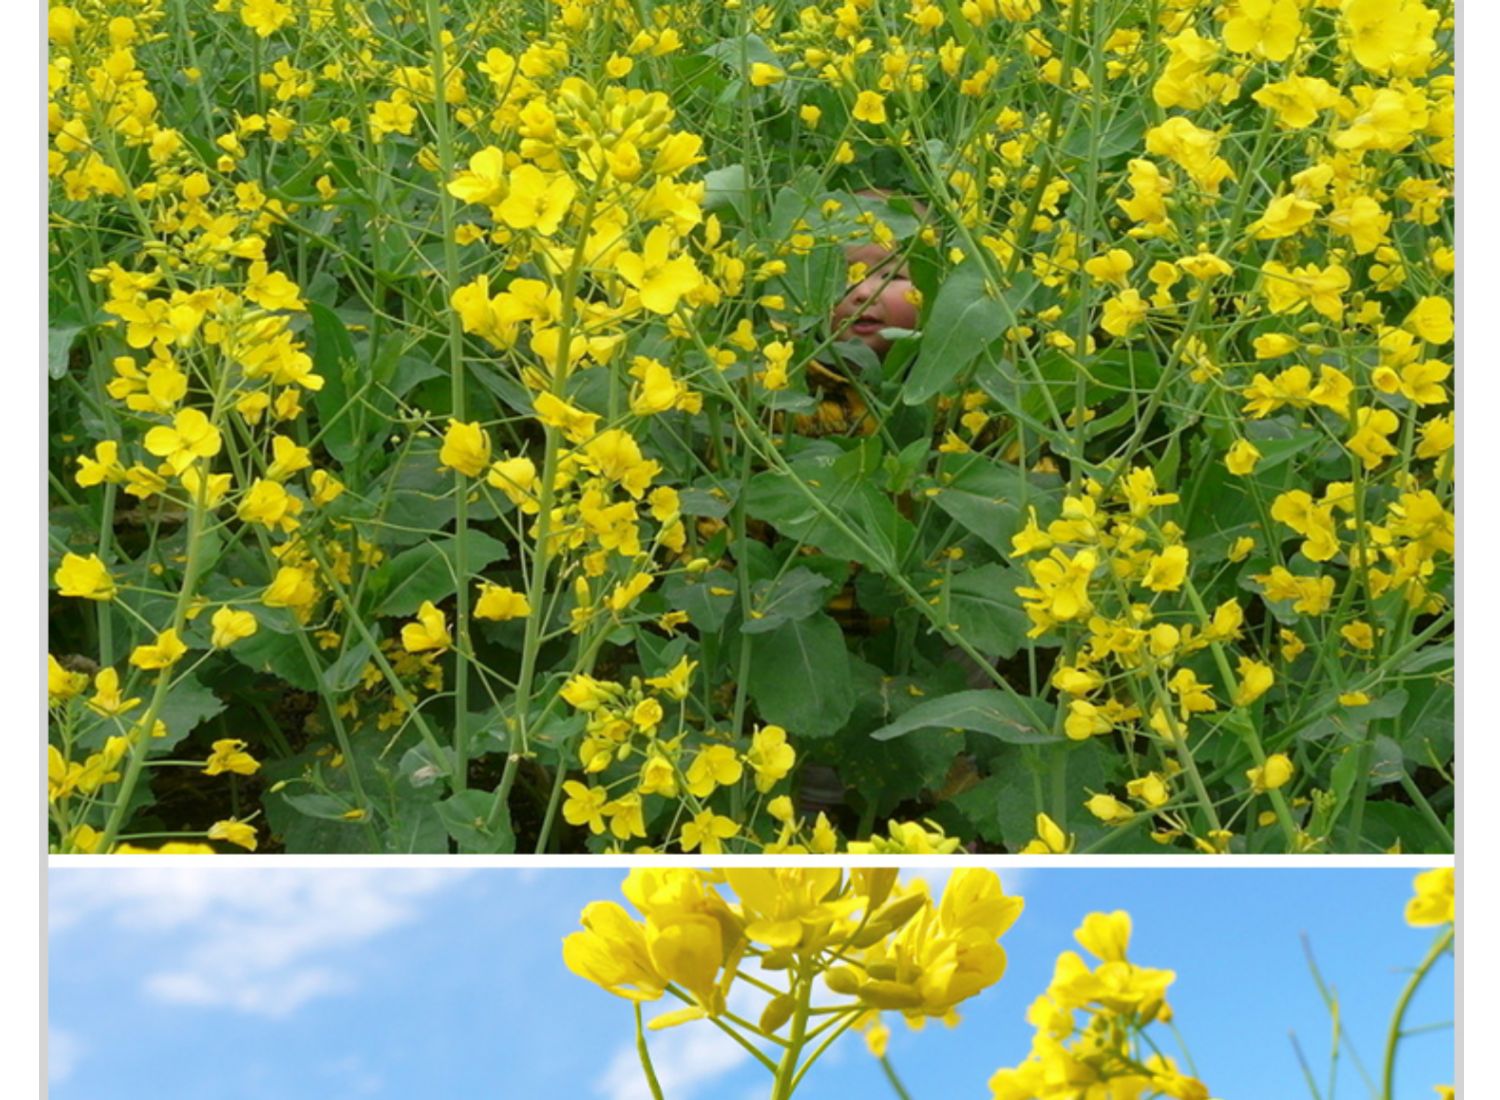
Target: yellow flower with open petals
84, 578
63, 684
234, 832
1265, 28
870, 107
537, 200
660, 278
770, 757
229, 755
165, 652
500, 603
429, 632
231, 626
1433, 901
466, 448
190, 438
707, 831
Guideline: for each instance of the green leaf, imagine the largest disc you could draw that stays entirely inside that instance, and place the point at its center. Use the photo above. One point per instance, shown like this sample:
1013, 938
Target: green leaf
1350, 722
333, 356
986, 497
465, 815
986, 711
60, 347
276, 655
872, 530
1120, 135
796, 595
1389, 822
416, 498
322, 806
726, 187
964, 319
748, 48
345, 673
426, 572
800, 678
416, 828
706, 599
188, 705
983, 605
1001, 807
422, 767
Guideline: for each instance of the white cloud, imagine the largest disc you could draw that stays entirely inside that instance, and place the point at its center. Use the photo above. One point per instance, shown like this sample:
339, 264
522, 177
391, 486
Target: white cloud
352, 1076
686, 1058
63, 1052
261, 941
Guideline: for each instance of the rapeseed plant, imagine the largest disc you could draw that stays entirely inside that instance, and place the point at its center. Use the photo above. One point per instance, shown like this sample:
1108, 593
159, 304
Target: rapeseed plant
1030, 419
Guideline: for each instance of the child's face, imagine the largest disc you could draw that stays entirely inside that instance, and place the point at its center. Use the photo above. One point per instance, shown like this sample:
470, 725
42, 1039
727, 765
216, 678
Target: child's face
882, 299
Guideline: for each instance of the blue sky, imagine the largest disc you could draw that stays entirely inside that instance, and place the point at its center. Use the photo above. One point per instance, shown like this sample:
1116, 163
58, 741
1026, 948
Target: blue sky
188, 981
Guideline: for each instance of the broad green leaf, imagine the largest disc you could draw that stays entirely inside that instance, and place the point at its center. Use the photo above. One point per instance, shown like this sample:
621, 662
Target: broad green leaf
322, 806
743, 50
983, 605
964, 319
426, 572
726, 187
416, 828
987, 498
1120, 134
188, 705
1389, 822
276, 655
796, 595
415, 499
799, 676
422, 767
333, 359
60, 347
987, 711
465, 814
707, 599
344, 674
1002, 807
869, 529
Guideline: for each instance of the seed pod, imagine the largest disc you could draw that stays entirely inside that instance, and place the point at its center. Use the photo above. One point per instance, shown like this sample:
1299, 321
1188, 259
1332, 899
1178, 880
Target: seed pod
778, 958
778, 1012
844, 980
894, 995
898, 912
872, 933
876, 883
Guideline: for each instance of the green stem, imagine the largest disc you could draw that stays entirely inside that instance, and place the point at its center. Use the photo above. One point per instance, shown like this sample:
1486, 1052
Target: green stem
140, 746
1246, 726
786, 1070
645, 1054
1394, 1034
895, 1082
456, 382
1415, 794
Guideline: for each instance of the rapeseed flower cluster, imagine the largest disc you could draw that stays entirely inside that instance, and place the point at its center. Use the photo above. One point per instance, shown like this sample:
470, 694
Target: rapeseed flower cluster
1091, 1023
871, 942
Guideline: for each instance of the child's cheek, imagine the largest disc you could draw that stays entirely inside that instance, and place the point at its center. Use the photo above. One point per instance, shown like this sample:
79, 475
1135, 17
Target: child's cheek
901, 306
